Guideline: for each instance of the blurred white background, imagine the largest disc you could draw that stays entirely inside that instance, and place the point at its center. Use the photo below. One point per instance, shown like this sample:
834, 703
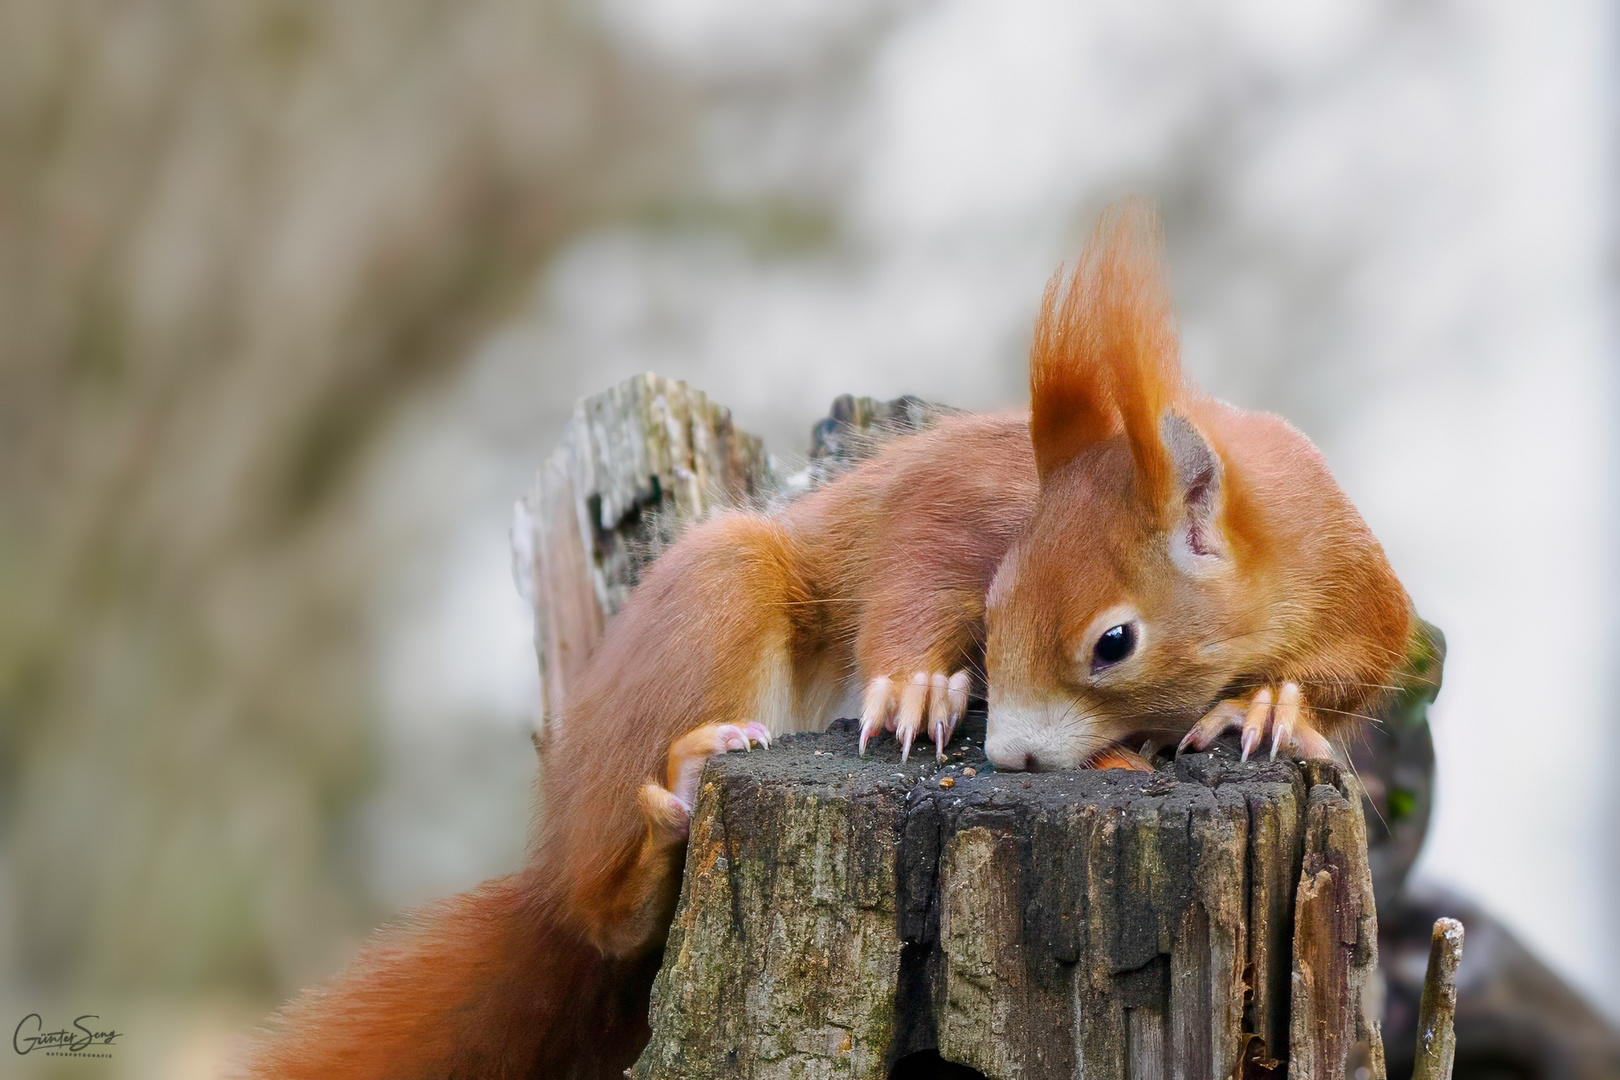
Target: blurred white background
300, 294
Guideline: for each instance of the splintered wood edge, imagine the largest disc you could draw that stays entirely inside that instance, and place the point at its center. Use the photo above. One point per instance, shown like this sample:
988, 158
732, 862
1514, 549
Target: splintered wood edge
1437, 1009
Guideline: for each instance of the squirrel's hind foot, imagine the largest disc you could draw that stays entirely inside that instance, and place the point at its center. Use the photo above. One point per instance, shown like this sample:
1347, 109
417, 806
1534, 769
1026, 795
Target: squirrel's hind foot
668, 809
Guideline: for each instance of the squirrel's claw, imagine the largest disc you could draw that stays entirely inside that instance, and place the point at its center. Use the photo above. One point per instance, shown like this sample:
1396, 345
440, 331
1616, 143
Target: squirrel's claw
1223, 717
875, 708
939, 713
956, 697
688, 753
902, 708
1279, 713
908, 718
1285, 718
1254, 723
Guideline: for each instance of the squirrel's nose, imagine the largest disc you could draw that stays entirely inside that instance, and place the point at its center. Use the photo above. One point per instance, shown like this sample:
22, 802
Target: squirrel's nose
1024, 737
1010, 755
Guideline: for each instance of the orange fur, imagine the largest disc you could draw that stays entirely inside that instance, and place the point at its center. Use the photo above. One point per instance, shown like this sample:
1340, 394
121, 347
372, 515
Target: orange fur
491, 983
1216, 535
1106, 354
989, 543
828, 593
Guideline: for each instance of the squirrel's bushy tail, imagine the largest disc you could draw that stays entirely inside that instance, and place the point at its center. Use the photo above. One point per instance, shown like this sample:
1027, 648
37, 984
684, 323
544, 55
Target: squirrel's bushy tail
489, 984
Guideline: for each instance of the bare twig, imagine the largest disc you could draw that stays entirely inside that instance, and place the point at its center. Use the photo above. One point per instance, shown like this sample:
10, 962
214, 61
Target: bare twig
1437, 1042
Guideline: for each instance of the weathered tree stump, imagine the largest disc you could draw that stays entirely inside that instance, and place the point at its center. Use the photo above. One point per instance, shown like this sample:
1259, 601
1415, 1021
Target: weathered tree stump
840, 913
855, 917
638, 463
635, 465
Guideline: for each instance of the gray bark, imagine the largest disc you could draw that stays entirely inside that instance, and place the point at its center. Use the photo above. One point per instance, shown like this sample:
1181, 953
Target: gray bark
1437, 1038
636, 464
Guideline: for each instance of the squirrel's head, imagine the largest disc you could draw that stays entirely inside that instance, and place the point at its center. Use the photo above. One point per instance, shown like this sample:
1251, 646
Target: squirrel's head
1105, 620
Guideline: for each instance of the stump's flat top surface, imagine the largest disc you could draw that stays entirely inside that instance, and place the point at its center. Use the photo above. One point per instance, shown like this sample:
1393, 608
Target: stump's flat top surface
966, 778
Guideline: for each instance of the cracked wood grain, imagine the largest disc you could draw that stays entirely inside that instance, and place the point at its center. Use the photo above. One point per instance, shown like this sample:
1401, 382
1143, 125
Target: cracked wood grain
840, 913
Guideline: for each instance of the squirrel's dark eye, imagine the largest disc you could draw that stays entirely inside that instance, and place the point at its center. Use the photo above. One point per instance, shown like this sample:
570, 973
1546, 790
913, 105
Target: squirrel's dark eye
1116, 643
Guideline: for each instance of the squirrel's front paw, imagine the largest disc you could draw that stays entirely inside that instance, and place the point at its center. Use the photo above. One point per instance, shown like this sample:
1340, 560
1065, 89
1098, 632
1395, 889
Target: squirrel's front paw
1274, 714
901, 706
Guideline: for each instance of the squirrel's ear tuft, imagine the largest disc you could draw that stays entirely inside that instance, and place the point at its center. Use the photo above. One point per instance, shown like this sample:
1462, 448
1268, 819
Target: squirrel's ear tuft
1197, 545
1106, 354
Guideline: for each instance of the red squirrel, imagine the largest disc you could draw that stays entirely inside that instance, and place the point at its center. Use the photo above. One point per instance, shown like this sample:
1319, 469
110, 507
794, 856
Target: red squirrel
1129, 561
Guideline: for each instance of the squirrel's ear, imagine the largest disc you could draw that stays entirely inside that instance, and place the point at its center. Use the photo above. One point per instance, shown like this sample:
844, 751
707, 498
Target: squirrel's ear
1197, 545
1105, 356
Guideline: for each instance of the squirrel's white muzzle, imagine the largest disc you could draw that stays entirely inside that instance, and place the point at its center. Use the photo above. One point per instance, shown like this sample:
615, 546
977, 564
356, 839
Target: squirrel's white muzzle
1024, 736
